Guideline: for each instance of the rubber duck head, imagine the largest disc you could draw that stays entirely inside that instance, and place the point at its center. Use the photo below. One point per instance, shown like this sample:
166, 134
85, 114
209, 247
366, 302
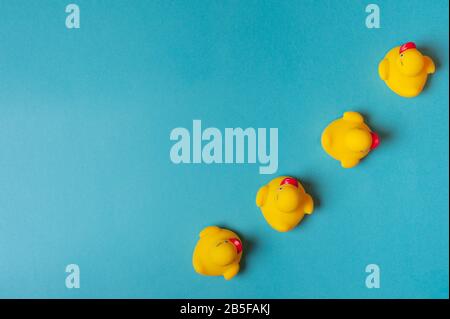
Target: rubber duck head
360, 140
288, 196
226, 251
410, 61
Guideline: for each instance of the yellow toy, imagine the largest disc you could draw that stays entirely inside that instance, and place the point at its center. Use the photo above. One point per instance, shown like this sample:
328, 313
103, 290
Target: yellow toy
217, 253
284, 203
349, 139
405, 70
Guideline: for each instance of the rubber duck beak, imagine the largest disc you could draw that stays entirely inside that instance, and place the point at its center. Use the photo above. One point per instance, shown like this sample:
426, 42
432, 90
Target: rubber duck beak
375, 140
237, 243
407, 46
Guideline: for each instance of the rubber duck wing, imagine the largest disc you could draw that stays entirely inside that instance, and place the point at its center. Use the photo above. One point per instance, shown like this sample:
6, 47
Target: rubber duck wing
231, 272
261, 195
349, 162
353, 117
209, 230
429, 65
309, 205
383, 69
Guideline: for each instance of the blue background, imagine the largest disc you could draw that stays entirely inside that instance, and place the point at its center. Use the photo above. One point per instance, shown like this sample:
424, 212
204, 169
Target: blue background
85, 173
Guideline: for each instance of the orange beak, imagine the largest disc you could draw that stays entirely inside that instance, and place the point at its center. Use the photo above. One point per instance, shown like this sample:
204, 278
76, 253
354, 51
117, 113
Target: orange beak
237, 243
375, 140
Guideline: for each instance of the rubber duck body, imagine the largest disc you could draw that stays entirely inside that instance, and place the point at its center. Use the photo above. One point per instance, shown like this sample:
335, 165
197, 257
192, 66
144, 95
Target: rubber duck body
217, 253
283, 203
349, 139
405, 70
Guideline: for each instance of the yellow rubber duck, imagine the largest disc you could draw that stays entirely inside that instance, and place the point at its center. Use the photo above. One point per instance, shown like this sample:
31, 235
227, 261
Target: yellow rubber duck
349, 139
284, 203
217, 253
405, 70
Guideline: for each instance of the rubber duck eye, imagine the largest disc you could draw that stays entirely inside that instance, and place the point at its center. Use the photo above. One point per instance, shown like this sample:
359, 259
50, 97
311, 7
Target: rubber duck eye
401, 55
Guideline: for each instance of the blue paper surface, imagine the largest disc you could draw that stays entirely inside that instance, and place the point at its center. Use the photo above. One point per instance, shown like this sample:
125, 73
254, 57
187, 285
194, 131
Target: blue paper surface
86, 176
